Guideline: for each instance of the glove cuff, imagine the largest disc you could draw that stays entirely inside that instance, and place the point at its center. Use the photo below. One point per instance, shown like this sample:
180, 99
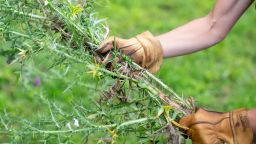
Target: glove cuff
153, 51
240, 127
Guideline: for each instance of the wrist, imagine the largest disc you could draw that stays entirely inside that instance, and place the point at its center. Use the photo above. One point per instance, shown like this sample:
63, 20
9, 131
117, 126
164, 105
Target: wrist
165, 45
252, 119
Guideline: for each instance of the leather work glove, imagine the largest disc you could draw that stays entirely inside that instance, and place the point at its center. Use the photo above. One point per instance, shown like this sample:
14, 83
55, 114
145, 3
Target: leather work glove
144, 49
206, 127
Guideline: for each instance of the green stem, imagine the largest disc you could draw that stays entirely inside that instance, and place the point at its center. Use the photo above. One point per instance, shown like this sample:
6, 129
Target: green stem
103, 127
25, 14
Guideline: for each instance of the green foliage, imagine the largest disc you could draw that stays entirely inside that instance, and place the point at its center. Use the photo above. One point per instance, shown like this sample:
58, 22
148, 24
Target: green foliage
221, 78
55, 44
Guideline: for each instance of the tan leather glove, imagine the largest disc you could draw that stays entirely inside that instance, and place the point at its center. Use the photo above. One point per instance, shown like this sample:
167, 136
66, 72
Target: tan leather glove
144, 49
207, 127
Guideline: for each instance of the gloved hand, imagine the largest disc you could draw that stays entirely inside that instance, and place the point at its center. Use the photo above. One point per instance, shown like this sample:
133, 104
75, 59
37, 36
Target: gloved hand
144, 49
206, 127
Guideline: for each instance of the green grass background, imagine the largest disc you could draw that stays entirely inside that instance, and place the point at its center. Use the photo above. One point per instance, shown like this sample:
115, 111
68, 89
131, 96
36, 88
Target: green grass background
221, 78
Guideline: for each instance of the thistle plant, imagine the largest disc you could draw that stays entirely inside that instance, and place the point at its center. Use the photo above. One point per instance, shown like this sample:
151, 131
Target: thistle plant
63, 36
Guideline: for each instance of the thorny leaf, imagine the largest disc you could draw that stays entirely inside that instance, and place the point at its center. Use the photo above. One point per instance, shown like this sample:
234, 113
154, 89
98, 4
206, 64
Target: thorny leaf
75, 9
95, 71
113, 135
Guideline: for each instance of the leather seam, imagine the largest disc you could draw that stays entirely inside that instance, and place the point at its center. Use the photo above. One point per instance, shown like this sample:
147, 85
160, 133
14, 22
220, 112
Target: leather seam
123, 47
232, 127
134, 51
138, 37
211, 123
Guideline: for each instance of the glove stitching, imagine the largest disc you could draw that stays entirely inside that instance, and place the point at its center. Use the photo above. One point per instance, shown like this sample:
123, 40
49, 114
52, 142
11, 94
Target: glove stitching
205, 122
145, 42
143, 45
134, 51
102, 48
127, 46
231, 122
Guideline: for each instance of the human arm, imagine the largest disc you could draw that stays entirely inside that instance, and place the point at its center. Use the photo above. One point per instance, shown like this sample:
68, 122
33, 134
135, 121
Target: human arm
203, 32
191, 37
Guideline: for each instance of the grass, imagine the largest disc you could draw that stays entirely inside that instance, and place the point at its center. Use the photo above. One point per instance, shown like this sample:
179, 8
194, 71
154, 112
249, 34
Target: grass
221, 78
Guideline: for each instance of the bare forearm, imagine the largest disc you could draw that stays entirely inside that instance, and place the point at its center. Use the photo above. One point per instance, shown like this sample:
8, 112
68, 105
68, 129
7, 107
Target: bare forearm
204, 32
189, 38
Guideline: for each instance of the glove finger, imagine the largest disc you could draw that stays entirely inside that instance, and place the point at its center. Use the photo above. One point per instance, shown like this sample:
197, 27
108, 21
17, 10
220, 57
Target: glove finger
130, 51
107, 58
137, 56
187, 121
108, 40
106, 45
106, 48
153, 68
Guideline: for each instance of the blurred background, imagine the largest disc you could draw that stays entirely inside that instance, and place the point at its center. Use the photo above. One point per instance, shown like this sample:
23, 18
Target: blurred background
221, 78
